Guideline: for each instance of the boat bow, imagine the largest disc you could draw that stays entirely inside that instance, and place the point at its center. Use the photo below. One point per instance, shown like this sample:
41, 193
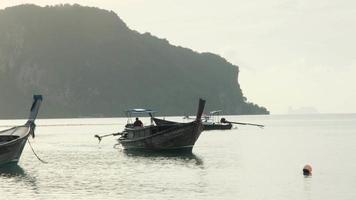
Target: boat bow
13, 140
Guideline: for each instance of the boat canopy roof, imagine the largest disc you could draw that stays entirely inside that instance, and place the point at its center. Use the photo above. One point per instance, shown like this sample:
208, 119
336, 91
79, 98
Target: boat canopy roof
140, 111
215, 112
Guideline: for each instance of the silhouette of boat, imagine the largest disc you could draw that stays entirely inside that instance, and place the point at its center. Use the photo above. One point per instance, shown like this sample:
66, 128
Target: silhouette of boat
208, 126
213, 121
13, 140
163, 137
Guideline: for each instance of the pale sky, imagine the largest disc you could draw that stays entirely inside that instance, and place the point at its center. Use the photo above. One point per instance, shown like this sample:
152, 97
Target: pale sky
291, 53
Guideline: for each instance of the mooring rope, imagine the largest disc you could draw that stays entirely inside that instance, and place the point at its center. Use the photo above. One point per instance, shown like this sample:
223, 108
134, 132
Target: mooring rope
35, 153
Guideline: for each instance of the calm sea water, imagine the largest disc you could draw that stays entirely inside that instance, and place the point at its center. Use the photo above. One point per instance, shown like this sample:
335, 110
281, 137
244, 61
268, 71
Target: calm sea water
246, 163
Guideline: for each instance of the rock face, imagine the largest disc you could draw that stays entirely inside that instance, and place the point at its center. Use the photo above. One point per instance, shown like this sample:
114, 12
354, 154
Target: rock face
88, 63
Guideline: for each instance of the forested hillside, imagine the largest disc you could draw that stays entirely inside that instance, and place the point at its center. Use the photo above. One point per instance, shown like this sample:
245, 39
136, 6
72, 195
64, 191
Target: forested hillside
86, 62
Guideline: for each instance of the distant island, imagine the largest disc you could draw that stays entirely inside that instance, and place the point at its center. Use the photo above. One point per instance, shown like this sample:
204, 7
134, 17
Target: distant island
86, 62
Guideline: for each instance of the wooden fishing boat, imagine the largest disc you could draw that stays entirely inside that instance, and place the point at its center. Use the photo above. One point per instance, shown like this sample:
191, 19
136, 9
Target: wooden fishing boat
13, 140
164, 136
216, 126
213, 121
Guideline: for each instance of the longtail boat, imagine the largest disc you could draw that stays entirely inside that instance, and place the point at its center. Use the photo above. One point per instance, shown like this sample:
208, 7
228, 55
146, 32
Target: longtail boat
13, 140
173, 136
213, 122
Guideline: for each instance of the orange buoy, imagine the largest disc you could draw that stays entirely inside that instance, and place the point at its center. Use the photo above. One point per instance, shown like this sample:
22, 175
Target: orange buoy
307, 170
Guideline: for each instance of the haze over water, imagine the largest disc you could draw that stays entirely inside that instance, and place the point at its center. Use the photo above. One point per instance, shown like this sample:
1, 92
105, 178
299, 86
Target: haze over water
244, 163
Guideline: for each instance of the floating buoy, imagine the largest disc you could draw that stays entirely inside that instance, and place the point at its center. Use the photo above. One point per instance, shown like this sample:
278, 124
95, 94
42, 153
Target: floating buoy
307, 170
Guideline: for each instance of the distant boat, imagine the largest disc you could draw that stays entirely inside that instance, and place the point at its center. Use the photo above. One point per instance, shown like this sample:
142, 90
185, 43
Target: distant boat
173, 136
208, 126
13, 140
213, 121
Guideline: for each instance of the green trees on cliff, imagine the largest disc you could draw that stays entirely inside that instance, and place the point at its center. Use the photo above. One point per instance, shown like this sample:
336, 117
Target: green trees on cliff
87, 62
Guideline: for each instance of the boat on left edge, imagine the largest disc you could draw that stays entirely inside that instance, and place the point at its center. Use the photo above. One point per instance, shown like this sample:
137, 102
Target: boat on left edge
13, 140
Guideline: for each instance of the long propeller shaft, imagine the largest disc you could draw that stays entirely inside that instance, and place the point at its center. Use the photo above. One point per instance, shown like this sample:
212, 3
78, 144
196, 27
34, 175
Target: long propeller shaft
223, 120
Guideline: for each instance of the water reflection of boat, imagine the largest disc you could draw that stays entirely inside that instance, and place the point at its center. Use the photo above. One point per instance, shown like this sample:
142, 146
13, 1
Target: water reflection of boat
14, 172
13, 140
183, 156
164, 136
11, 169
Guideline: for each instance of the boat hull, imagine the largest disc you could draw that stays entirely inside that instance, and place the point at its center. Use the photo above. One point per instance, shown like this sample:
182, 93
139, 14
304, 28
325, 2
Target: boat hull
11, 153
13, 140
208, 127
180, 137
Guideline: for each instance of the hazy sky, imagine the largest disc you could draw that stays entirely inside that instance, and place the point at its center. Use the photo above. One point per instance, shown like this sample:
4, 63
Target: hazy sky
291, 53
